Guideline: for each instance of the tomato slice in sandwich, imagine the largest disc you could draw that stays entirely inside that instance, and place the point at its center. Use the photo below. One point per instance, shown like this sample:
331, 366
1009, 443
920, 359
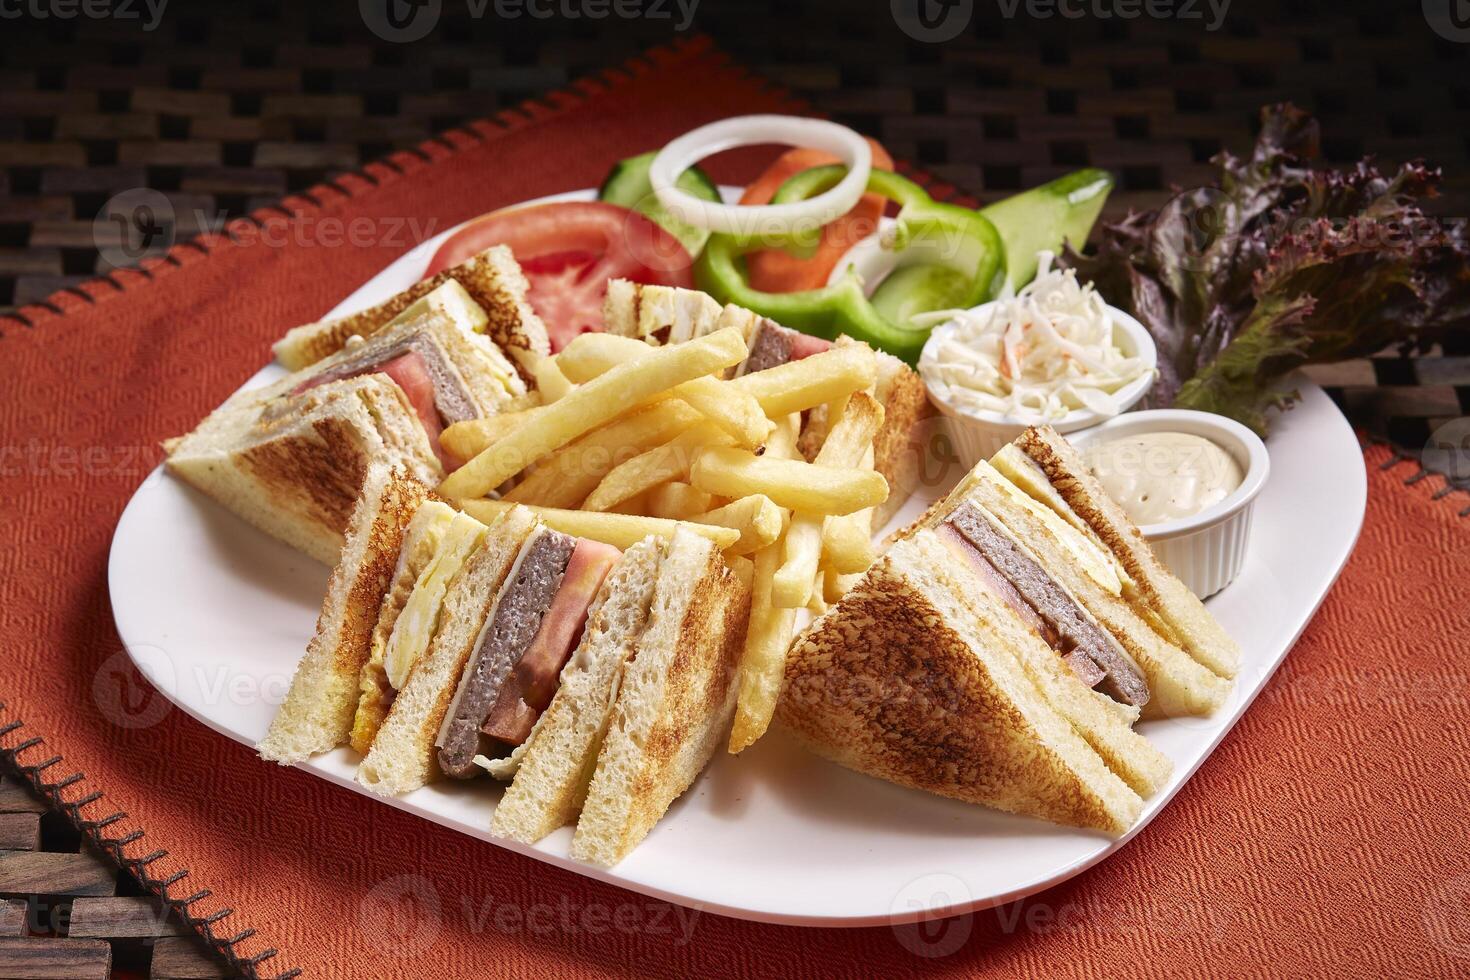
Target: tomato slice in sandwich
569, 250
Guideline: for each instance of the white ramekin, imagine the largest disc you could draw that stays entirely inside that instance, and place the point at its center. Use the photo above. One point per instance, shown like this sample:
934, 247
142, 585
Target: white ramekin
979, 435
1205, 551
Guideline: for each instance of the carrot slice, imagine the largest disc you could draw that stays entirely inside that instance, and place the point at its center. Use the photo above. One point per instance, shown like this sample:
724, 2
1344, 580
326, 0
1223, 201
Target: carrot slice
776, 271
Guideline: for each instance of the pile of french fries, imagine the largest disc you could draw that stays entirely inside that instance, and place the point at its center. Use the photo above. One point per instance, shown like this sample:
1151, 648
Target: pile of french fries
633, 439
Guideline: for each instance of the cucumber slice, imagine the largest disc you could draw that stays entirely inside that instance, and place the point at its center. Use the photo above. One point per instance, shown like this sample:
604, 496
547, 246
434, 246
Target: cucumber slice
627, 185
1044, 217
916, 289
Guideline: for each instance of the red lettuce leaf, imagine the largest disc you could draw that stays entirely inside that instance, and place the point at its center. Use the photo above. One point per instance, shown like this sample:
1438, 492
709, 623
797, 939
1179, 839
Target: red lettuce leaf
1279, 264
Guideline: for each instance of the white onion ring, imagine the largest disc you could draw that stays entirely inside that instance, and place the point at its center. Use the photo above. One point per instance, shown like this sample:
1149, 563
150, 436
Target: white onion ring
777, 220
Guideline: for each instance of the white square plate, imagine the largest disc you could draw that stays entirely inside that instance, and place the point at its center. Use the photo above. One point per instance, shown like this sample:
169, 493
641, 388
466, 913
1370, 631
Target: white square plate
216, 615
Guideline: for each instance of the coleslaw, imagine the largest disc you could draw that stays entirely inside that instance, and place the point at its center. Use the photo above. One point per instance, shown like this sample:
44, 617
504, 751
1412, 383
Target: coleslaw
1043, 353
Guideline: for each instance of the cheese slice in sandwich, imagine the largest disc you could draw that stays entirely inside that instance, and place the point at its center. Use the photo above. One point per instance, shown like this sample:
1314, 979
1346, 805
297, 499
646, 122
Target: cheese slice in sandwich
318, 712
435, 548
1059, 478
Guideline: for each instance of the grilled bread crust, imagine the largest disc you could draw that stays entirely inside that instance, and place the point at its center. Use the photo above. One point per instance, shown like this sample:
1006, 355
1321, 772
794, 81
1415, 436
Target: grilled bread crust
293, 466
317, 713
675, 704
493, 279
900, 447
1199, 633
903, 681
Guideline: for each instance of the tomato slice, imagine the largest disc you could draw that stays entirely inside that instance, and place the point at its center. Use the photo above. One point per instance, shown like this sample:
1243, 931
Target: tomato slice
777, 271
569, 250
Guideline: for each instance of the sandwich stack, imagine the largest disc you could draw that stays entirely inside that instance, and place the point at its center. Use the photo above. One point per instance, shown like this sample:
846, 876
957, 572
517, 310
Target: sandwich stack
597, 682
1002, 648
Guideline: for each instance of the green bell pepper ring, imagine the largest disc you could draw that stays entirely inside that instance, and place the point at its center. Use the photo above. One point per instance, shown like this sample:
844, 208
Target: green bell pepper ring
948, 257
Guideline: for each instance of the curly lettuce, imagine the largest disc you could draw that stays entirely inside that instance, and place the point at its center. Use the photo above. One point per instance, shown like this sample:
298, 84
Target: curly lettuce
1282, 263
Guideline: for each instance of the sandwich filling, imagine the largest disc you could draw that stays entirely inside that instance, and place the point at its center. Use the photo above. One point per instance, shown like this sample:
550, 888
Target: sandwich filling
773, 345
529, 634
421, 368
435, 545
1019, 580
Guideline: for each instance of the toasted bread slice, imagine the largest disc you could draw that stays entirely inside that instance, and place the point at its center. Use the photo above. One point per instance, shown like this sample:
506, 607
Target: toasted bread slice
907, 681
1179, 684
293, 466
317, 713
1199, 633
551, 784
901, 445
1105, 724
402, 756
658, 314
676, 700
493, 284
437, 544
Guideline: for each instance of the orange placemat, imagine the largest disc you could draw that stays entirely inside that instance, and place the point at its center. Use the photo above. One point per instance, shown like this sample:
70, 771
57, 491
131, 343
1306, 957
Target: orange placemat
1327, 835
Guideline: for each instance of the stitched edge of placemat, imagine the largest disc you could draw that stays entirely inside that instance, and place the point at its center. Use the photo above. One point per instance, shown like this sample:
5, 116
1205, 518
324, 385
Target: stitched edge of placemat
69, 794
1399, 456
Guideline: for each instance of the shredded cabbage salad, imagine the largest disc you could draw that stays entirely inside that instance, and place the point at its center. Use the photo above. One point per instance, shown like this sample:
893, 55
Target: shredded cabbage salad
1040, 354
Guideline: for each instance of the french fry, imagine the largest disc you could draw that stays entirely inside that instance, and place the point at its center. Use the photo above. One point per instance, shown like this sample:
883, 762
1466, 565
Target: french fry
847, 542
851, 434
467, 439
551, 383
588, 406
848, 440
591, 355
572, 472
782, 444
799, 385
678, 501
671, 461
804, 487
791, 588
756, 517
763, 663
836, 585
618, 530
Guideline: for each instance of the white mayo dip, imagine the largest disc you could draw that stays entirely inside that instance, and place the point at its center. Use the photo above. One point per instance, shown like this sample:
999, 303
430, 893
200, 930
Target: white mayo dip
1164, 476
